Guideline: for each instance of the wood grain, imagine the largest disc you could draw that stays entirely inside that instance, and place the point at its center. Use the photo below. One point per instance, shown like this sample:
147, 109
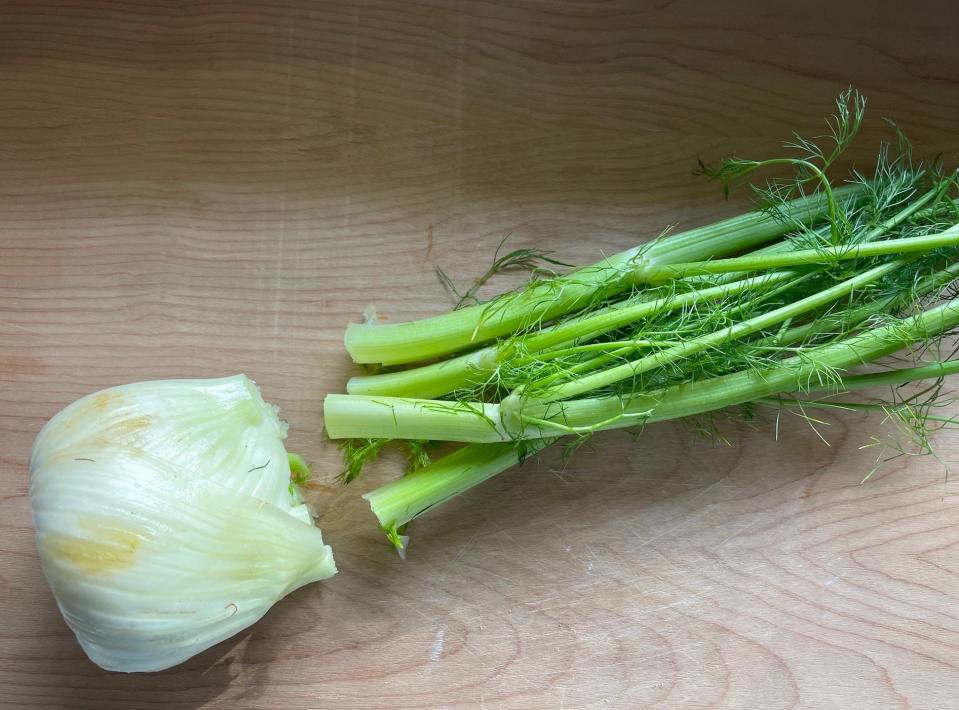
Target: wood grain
201, 188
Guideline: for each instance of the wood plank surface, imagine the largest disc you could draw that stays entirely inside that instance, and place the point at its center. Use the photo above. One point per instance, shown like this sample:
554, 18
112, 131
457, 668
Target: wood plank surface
194, 189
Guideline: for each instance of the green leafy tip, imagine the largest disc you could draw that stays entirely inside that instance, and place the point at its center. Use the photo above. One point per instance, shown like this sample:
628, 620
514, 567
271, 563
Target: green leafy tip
356, 454
417, 454
299, 472
532, 260
393, 535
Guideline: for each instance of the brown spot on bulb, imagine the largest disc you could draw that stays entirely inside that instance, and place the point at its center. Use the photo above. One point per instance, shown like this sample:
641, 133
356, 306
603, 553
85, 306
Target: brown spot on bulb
103, 546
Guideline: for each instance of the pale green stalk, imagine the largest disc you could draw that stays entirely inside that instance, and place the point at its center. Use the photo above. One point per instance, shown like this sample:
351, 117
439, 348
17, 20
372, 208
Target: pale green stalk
901, 375
802, 257
543, 301
604, 378
845, 321
464, 371
402, 500
467, 370
397, 503
352, 416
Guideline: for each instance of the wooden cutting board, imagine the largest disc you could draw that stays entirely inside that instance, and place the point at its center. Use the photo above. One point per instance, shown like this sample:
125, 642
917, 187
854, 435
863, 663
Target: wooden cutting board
199, 189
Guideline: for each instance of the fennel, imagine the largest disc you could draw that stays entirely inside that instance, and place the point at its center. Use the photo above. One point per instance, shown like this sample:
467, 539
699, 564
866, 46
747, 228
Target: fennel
168, 518
854, 273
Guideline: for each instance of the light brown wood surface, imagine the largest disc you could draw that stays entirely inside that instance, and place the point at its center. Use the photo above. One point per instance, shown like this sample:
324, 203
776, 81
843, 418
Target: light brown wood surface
193, 189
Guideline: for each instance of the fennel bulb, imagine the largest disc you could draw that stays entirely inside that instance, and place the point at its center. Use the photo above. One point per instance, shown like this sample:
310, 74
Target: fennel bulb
166, 518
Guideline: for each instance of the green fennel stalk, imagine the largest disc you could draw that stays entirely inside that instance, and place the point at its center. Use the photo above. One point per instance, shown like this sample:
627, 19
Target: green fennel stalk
472, 368
667, 330
542, 301
404, 499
